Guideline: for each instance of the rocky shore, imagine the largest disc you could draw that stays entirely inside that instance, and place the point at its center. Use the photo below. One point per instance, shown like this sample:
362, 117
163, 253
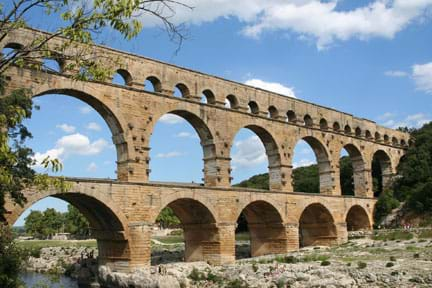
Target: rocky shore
358, 263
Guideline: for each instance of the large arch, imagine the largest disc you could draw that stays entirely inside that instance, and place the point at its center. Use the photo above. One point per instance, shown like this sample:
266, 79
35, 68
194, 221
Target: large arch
108, 224
357, 219
201, 235
316, 226
272, 153
266, 229
382, 171
359, 177
114, 121
323, 162
206, 142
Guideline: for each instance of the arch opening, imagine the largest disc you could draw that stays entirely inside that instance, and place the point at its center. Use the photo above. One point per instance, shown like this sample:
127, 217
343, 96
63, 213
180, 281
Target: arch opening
231, 102
192, 139
358, 132
208, 97
323, 124
196, 228
122, 77
52, 65
291, 116
347, 129
308, 122
352, 171
152, 84
253, 107
312, 173
259, 231
252, 148
273, 113
336, 127
357, 219
381, 172
316, 227
181, 91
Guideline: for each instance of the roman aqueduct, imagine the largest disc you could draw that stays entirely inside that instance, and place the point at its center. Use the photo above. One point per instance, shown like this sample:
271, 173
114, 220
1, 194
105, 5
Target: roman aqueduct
122, 212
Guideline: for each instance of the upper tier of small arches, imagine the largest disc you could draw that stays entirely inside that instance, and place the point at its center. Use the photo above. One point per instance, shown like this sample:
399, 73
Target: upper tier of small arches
210, 90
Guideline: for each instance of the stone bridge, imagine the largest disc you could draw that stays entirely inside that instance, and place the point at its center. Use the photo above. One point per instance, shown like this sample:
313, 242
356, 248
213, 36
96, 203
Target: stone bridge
122, 212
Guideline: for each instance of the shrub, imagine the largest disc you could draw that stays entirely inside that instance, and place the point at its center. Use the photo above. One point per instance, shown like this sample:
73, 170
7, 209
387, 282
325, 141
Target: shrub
390, 264
361, 265
255, 267
385, 204
393, 258
325, 263
237, 283
290, 260
196, 275
416, 255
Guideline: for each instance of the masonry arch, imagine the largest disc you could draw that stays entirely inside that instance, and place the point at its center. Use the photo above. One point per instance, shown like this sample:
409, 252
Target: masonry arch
199, 228
122, 77
382, 171
273, 112
107, 223
352, 171
208, 97
308, 122
323, 165
358, 132
336, 126
181, 91
316, 226
231, 102
253, 107
271, 151
199, 136
323, 124
153, 84
291, 116
357, 219
265, 226
347, 129
114, 121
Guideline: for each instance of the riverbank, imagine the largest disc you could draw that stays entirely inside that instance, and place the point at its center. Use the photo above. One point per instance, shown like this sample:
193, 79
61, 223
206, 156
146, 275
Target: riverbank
390, 259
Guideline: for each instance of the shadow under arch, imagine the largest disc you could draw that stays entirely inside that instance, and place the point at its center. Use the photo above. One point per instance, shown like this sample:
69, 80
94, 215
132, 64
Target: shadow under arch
382, 171
107, 223
323, 162
316, 226
266, 228
357, 219
272, 153
115, 125
206, 141
201, 234
358, 168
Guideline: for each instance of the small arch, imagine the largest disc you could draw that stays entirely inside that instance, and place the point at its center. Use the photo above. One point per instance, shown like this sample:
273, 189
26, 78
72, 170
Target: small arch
52, 65
181, 91
336, 127
253, 107
347, 129
199, 229
323, 124
231, 102
152, 84
122, 77
316, 226
273, 112
386, 138
411, 143
10, 49
368, 134
377, 136
308, 122
403, 143
395, 141
291, 116
265, 225
208, 97
357, 219
358, 132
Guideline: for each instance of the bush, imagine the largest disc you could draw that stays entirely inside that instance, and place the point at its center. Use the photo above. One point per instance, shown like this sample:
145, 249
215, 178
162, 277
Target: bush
11, 259
416, 255
390, 264
385, 204
393, 258
325, 263
361, 265
237, 283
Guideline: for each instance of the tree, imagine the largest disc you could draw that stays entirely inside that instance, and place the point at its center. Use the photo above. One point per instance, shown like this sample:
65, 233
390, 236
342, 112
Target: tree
77, 23
10, 260
76, 223
34, 224
167, 218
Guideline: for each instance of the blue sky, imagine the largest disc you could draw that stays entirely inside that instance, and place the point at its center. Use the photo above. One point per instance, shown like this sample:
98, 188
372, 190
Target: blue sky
369, 58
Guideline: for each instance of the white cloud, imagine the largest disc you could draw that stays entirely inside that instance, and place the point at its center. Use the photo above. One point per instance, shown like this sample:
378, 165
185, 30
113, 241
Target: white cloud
396, 73
92, 167
66, 128
415, 120
93, 126
249, 152
85, 109
303, 163
271, 86
321, 21
171, 119
75, 144
422, 75
186, 135
172, 154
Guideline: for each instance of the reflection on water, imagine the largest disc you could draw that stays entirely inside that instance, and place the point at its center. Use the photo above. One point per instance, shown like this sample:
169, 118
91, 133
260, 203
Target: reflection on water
37, 280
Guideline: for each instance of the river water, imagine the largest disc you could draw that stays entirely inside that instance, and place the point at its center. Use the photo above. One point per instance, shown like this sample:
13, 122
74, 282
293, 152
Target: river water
32, 279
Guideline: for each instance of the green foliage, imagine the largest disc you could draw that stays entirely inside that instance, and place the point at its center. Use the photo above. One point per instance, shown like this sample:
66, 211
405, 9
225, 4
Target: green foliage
167, 218
42, 225
325, 263
385, 204
306, 179
260, 181
11, 259
361, 265
390, 264
346, 176
414, 183
393, 236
